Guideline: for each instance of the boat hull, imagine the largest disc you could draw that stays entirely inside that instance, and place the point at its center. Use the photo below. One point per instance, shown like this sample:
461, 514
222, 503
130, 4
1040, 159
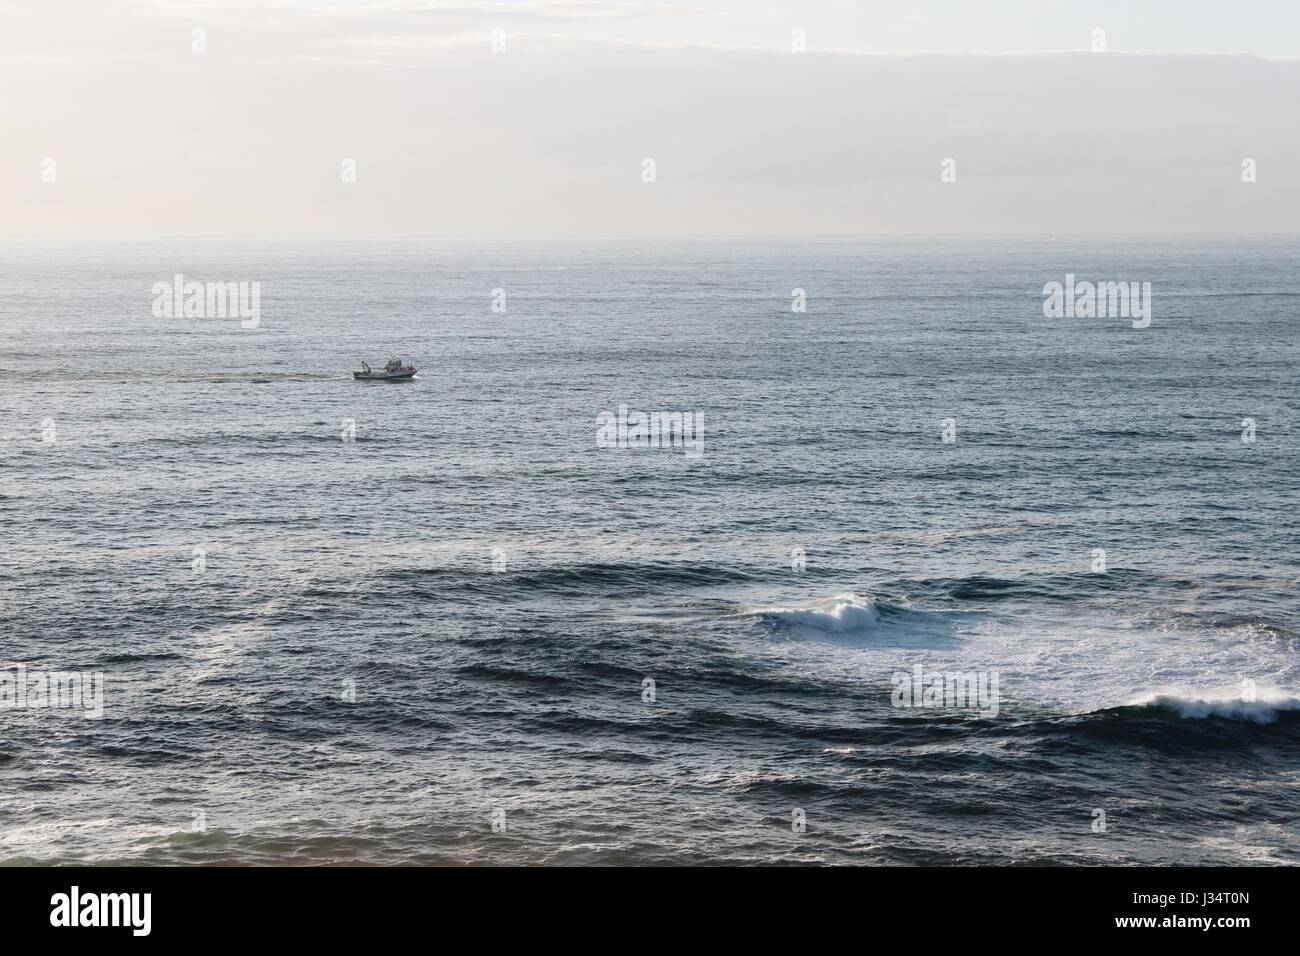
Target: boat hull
383, 376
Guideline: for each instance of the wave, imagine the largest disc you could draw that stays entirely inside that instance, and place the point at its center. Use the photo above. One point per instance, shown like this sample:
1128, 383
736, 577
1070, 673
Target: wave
582, 579
1264, 709
985, 588
1180, 723
644, 575
850, 617
845, 614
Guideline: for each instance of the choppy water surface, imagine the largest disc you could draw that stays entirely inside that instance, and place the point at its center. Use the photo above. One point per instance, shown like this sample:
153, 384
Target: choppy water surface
455, 614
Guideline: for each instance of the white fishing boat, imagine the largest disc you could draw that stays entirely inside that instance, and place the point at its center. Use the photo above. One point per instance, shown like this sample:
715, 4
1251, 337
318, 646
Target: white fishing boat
394, 371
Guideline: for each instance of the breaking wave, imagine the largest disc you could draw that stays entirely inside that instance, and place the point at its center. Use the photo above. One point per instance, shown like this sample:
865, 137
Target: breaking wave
1265, 709
851, 618
845, 614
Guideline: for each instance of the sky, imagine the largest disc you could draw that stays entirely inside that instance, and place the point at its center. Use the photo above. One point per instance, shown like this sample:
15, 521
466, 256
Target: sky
407, 118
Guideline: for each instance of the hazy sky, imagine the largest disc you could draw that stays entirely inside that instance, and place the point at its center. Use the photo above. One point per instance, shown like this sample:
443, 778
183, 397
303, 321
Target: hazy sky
114, 124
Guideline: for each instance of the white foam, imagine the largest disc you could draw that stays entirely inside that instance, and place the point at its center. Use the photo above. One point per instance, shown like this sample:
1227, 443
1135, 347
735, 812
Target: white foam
844, 614
1264, 709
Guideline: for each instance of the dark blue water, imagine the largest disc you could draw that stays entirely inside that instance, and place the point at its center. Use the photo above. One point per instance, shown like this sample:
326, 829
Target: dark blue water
394, 642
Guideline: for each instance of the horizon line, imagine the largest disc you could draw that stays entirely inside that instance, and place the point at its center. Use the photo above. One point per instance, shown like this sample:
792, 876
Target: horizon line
550, 237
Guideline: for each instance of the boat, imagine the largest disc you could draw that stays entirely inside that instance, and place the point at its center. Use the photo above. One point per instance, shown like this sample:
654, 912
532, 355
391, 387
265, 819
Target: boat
394, 371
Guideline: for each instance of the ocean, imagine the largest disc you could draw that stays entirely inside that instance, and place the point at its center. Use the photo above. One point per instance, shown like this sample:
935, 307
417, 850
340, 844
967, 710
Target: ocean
939, 579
